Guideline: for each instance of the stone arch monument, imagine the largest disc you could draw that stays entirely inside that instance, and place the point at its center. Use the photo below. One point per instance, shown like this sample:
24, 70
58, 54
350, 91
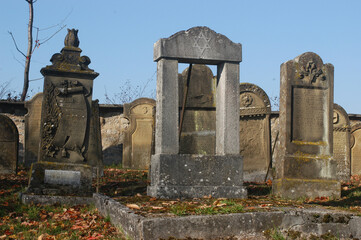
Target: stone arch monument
187, 176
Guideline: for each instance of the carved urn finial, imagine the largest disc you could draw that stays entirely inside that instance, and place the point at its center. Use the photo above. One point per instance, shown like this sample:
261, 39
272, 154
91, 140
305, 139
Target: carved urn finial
71, 39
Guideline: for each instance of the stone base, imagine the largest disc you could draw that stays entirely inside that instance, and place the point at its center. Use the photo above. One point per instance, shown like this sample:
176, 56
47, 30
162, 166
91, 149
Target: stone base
309, 188
195, 176
60, 179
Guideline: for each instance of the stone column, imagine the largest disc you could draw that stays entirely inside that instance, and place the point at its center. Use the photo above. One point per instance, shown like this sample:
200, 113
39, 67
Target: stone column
166, 129
227, 116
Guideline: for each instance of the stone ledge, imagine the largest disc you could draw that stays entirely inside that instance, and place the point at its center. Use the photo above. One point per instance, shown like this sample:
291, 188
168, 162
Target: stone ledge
315, 221
49, 200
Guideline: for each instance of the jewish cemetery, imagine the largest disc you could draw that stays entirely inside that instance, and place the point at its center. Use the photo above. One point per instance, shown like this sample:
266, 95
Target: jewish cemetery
210, 154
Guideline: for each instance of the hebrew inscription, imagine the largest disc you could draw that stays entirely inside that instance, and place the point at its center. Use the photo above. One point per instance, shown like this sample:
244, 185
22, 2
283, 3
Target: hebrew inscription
308, 114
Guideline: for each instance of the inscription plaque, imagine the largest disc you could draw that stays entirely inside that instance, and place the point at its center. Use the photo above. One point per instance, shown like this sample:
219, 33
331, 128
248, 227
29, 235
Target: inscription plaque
308, 114
61, 177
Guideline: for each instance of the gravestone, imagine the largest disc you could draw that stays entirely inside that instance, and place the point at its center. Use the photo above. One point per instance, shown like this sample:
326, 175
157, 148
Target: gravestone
355, 144
175, 175
341, 143
198, 134
255, 140
69, 127
306, 167
32, 129
137, 146
9, 142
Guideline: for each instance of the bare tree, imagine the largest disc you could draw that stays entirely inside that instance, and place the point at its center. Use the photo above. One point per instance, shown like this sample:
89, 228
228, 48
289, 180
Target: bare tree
31, 49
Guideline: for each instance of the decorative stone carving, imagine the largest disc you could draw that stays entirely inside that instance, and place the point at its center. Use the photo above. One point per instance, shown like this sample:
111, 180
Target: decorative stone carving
306, 167
9, 141
255, 146
341, 143
70, 128
137, 146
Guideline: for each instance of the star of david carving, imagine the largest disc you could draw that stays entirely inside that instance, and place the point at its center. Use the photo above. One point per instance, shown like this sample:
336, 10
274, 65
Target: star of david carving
201, 42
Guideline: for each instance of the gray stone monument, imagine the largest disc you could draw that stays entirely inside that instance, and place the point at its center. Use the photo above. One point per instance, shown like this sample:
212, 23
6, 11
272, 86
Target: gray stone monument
68, 125
341, 143
306, 167
175, 175
255, 139
198, 135
9, 142
32, 129
355, 144
137, 146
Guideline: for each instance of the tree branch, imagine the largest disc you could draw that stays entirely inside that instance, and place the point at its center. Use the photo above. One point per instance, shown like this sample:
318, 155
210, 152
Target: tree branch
16, 46
61, 28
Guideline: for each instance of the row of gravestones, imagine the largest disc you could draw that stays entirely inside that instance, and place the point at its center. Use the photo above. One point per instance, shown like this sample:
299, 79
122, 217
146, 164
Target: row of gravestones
198, 133
70, 149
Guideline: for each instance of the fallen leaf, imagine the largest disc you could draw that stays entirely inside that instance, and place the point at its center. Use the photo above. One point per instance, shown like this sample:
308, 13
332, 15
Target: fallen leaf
155, 207
133, 206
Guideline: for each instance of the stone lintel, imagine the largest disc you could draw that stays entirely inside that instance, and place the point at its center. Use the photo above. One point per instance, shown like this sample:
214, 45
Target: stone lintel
198, 45
193, 176
310, 188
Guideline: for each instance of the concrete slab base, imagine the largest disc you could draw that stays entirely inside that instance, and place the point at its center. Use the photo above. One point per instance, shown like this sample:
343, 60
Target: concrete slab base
310, 188
194, 176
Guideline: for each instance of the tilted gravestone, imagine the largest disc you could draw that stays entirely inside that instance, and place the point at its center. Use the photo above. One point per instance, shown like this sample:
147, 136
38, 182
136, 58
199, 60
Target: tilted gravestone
198, 135
137, 146
9, 142
32, 129
66, 155
355, 144
255, 140
341, 143
306, 167
175, 175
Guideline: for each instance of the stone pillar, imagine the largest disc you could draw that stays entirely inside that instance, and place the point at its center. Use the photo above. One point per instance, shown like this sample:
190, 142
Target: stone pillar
227, 108
166, 132
306, 167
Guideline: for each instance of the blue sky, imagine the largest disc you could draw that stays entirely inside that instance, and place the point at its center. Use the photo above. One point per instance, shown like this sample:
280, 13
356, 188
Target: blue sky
118, 36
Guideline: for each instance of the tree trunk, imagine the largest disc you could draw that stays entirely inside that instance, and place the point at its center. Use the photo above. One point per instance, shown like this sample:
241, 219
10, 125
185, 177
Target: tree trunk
29, 51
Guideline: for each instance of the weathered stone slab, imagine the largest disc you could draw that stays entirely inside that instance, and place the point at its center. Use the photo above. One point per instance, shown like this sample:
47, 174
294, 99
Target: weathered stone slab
138, 139
355, 144
306, 165
189, 176
198, 135
341, 143
9, 141
50, 178
94, 155
196, 45
255, 140
32, 129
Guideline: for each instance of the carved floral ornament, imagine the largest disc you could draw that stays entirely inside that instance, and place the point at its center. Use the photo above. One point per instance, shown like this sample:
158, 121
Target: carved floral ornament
312, 72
